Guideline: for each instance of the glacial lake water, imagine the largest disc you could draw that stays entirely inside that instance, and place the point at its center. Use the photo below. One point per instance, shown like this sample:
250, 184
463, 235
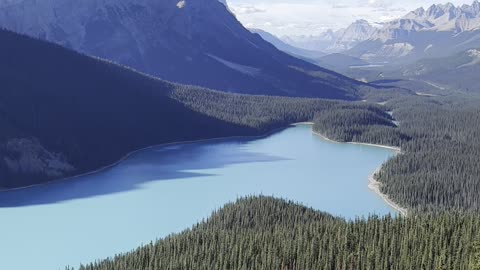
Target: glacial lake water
163, 190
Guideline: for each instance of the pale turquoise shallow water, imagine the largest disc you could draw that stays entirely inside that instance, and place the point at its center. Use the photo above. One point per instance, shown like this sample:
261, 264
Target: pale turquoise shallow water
163, 190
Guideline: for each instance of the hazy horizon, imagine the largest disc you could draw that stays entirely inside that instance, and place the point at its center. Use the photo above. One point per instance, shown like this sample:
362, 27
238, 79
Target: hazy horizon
310, 17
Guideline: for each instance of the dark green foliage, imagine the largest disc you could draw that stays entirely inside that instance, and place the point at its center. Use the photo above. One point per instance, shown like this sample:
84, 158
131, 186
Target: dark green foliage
440, 165
475, 265
91, 113
259, 112
440, 141
359, 124
267, 233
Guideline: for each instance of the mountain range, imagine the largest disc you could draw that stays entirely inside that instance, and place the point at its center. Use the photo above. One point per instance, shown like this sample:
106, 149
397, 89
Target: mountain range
439, 31
305, 54
456, 72
336, 41
196, 42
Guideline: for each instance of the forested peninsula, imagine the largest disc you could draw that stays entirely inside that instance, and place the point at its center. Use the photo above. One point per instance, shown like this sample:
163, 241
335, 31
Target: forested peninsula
268, 233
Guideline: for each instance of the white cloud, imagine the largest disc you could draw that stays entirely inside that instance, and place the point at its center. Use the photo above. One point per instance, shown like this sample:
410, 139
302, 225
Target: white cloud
246, 9
378, 3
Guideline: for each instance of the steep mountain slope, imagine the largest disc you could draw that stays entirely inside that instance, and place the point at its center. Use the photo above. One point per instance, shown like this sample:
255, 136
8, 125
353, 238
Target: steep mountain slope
459, 71
194, 42
439, 31
355, 33
64, 113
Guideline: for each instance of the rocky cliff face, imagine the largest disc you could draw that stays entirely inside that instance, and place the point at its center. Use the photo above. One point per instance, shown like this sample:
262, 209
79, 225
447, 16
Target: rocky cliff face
439, 31
436, 18
357, 32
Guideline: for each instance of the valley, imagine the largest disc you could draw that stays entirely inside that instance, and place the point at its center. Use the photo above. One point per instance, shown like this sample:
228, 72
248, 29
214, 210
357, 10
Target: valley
184, 135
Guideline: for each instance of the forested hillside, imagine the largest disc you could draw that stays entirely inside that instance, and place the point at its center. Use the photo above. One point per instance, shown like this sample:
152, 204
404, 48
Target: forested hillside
267, 233
63, 113
197, 42
439, 137
356, 124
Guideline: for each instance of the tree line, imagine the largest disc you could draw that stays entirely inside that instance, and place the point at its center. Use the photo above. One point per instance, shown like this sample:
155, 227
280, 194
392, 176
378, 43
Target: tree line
440, 141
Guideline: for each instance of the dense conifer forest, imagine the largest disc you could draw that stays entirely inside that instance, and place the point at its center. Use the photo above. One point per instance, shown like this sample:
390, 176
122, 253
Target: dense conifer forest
439, 137
61, 107
268, 233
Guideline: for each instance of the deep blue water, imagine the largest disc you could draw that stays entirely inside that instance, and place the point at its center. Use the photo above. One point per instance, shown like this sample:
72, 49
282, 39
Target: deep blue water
163, 190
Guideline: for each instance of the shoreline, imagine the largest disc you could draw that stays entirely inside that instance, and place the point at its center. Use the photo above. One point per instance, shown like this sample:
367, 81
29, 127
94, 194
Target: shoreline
394, 148
126, 156
373, 184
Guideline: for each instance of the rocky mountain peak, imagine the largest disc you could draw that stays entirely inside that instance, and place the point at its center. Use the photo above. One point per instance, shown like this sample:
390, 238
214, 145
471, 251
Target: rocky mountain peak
447, 17
418, 12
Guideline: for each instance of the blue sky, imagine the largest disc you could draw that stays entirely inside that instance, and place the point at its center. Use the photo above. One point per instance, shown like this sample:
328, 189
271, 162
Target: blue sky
300, 17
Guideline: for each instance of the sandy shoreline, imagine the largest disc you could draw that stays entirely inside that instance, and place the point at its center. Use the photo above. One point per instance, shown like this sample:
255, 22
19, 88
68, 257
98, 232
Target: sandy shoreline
394, 148
373, 184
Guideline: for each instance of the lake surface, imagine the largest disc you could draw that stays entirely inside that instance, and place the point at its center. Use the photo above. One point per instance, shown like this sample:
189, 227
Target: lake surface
163, 190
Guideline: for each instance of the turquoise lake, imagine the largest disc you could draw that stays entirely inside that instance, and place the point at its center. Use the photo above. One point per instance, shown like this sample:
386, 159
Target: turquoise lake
163, 190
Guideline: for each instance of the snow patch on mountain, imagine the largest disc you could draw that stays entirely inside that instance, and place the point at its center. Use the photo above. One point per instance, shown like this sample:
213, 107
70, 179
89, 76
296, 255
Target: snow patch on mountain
474, 54
181, 4
247, 70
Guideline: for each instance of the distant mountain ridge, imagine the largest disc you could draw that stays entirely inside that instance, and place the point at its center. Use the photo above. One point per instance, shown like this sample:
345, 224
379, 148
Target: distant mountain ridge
458, 72
281, 45
439, 31
336, 41
189, 41
448, 18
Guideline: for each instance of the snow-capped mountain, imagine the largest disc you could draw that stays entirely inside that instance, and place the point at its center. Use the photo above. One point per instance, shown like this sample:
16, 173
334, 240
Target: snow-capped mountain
335, 41
448, 18
189, 41
438, 31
